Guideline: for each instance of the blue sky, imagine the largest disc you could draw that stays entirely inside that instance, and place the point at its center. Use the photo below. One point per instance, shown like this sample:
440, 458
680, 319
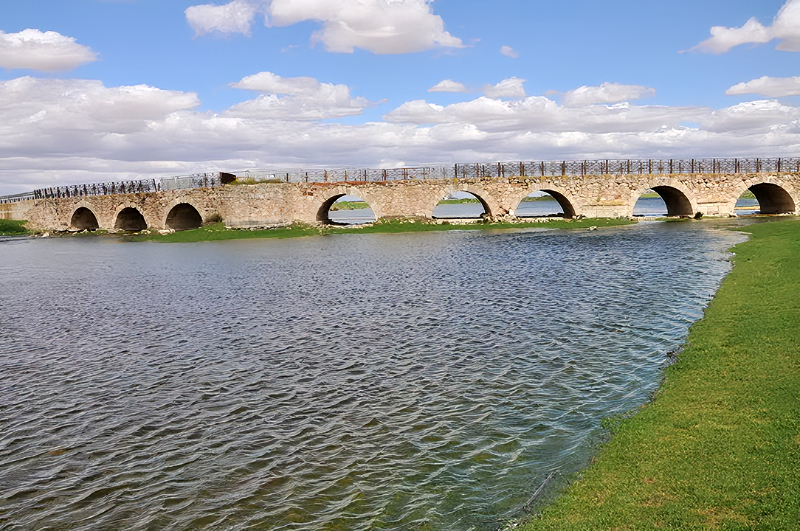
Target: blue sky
132, 88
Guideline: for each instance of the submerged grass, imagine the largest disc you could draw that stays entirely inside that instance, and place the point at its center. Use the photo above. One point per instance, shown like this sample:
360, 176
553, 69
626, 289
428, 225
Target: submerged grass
719, 446
218, 232
10, 227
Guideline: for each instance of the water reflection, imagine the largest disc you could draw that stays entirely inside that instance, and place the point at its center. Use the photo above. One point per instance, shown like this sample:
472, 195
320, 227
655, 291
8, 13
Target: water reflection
340, 382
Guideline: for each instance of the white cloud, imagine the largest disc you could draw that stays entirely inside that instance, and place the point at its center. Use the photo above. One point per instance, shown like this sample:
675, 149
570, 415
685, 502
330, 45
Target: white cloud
307, 99
751, 117
543, 115
606, 93
48, 52
72, 131
508, 51
234, 17
785, 28
508, 88
275, 84
378, 26
772, 87
449, 86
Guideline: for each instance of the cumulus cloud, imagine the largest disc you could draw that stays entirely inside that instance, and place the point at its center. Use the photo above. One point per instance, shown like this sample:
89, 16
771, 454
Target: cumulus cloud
234, 17
508, 51
785, 28
72, 131
47, 52
449, 86
772, 87
306, 99
752, 117
543, 115
508, 88
606, 93
378, 26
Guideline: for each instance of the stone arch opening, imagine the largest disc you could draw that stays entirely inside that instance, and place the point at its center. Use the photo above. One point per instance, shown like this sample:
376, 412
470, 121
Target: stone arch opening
663, 201
772, 199
461, 205
545, 203
183, 216
345, 209
130, 219
84, 219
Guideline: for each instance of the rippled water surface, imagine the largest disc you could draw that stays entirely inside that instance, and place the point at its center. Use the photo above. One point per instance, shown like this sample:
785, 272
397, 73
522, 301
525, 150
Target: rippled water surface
427, 380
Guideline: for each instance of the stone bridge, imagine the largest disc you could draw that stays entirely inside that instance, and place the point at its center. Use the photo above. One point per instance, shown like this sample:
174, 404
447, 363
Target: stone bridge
269, 204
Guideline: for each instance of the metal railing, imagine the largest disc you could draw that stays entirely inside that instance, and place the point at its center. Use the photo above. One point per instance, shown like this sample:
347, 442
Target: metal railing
200, 180
480, 170
494, 170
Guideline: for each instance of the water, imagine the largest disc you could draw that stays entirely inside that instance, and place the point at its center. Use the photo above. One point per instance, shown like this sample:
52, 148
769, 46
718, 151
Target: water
645, 207
746, 206
339, 382
650, 207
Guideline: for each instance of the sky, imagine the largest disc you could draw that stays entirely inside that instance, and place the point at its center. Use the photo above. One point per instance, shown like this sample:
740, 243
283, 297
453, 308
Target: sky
104, 90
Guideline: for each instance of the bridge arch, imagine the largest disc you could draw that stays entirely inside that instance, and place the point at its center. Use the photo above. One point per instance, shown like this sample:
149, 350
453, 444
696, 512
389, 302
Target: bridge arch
565, 200
84, 218
128, 217
678, 198
182, 215
323, 209
773, 196
490, 207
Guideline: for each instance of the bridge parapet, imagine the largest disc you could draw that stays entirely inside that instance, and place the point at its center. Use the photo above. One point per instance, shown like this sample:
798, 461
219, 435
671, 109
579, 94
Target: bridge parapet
688, 188
480, 170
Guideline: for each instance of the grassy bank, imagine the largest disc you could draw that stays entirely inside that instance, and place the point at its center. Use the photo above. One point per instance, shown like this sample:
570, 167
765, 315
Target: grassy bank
217, 231
349, 205
719, 447
9, 227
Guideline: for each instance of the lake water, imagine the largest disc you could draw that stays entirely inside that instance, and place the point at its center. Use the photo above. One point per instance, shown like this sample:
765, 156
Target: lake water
407, 381
647, 207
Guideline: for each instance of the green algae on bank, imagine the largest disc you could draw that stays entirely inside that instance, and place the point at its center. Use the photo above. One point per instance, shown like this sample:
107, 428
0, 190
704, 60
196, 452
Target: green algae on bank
719, 446
218, 232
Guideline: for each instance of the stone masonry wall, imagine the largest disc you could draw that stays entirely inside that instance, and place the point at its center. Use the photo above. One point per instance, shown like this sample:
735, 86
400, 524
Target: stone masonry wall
282, 203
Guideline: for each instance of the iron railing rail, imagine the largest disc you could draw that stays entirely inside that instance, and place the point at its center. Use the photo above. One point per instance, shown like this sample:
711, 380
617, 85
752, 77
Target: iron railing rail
480, 170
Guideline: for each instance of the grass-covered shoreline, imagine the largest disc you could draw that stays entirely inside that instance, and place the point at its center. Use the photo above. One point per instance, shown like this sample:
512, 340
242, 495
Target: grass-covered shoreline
719, 446
10, 227
218, 232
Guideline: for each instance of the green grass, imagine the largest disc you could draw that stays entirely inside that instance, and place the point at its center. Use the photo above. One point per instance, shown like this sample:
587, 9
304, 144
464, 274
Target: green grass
217, 231
10, 227
747, 195
349, 205
530, 199
464, 201
719, 446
